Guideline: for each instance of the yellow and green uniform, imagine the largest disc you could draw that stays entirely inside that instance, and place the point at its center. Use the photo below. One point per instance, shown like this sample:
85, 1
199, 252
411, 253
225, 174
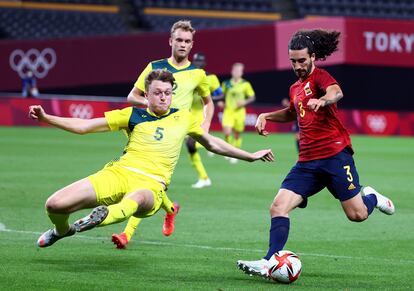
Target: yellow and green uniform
150, 156
197, 105
189, 80
233, 92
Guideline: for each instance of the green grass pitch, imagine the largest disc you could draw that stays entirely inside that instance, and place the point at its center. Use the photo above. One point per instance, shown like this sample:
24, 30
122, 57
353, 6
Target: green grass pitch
215, 227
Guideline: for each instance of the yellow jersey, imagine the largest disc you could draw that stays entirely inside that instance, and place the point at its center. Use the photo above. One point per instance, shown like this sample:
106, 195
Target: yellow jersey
188, 80
154, 143
213, 85
234, 92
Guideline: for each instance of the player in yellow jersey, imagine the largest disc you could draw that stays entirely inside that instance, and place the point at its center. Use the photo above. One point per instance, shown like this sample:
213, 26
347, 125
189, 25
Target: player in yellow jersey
238, 93
189, 80
199, 60
136, 183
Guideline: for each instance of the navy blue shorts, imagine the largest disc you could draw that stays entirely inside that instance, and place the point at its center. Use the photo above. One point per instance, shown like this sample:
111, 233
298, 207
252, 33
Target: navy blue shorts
338, 173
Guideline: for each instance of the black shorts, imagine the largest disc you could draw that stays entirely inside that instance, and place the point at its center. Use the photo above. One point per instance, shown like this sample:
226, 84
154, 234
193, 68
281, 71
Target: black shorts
338, 173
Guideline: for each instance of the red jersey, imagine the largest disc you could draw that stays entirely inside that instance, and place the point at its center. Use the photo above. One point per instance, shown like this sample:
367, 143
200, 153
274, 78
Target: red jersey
321, 134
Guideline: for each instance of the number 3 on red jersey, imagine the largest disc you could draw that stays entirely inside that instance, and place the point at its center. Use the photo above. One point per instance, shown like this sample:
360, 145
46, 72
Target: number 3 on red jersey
301, 109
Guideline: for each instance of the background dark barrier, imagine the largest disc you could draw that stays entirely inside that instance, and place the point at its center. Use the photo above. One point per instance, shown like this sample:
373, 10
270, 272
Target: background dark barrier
109, 66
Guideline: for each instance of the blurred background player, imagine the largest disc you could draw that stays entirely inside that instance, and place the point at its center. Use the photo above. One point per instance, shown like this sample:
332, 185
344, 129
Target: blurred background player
295, 127
238, 93
29, 85
189, 80
325, 152
199, 60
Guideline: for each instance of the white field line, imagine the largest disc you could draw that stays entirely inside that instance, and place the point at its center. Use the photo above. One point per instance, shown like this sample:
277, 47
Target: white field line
160, 243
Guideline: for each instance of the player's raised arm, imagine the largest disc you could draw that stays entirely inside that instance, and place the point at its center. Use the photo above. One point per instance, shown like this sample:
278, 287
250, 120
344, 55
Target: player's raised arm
136, 97
74, 125
220, 147
282, 115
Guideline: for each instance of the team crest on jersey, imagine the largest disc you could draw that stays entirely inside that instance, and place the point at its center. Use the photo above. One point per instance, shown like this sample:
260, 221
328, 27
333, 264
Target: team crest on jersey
307, 89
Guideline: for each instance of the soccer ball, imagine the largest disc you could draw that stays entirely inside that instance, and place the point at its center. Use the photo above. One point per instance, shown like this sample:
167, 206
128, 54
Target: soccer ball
286, 267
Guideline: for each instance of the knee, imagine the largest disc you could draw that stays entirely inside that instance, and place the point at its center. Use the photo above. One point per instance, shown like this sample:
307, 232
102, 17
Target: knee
53, 204
357, 216
277, 209
284, 202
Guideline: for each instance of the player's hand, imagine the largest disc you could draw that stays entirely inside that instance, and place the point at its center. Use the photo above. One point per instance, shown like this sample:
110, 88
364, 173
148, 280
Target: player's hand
37, 112
220, 104
315, 104
264, 155
261, 124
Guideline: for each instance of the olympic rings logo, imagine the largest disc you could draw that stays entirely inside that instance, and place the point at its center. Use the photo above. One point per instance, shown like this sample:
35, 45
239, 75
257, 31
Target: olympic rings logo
40, 63
84, 111
377, 123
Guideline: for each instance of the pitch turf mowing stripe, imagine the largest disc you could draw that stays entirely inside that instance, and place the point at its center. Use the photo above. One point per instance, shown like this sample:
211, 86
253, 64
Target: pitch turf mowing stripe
3, 229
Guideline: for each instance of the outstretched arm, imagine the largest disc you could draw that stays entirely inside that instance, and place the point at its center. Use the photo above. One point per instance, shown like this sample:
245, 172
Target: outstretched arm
75, 125
282, 115
220, 147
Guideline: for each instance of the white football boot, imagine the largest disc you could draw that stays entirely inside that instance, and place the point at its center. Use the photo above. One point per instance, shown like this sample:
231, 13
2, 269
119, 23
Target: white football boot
384, 204
257, 268
201, 183
49, 237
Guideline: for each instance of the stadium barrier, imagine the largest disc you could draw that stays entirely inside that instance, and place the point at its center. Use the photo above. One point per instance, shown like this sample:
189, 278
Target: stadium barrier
14, 113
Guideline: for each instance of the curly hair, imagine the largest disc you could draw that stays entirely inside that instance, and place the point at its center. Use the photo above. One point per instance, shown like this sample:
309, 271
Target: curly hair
318, 41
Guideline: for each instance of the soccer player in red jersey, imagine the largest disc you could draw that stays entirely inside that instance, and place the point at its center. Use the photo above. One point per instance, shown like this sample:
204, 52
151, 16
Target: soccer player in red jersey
325, 151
